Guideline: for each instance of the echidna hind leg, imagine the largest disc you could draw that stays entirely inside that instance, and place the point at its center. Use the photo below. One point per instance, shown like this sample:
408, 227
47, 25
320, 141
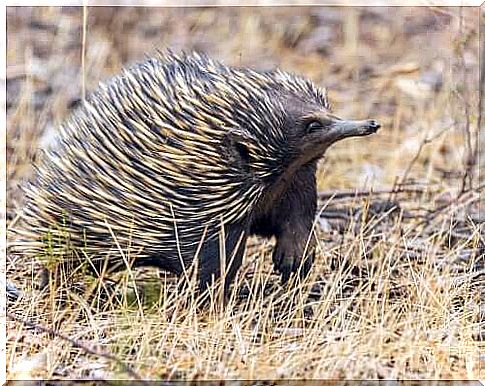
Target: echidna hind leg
210, 258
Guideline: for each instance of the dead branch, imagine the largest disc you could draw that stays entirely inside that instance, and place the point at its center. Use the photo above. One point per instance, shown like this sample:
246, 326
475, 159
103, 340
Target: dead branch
353, 193
76, 343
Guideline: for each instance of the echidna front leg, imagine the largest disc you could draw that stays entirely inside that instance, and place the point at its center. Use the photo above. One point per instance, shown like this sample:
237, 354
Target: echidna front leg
210, 257
293, 217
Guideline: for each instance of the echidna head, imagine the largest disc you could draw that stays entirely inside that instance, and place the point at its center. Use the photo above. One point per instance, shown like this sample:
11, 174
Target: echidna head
312, 128
290, 123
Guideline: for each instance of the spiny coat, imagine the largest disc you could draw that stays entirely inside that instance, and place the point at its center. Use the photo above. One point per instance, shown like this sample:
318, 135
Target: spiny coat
176, 154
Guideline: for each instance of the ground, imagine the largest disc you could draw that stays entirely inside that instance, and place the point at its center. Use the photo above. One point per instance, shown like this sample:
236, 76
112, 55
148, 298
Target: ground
397, 285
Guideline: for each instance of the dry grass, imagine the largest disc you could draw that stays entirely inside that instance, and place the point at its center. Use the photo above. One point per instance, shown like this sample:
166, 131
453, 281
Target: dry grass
394, 294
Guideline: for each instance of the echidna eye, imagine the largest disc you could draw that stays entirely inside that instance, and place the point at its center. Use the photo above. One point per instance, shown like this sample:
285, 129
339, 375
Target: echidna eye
313, 126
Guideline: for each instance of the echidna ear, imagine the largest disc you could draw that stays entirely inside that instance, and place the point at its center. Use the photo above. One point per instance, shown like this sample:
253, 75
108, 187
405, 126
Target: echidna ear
243, 152
236, 143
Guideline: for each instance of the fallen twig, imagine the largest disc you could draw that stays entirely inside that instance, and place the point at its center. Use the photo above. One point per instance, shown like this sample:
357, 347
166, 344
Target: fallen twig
339, 194
76, 343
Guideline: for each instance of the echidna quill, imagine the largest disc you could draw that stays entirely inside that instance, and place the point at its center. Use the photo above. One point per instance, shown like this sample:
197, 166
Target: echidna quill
182, 157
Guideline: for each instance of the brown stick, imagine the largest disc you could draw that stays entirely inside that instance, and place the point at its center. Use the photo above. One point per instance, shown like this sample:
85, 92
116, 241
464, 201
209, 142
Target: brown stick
76, 343
339, 194
471, 150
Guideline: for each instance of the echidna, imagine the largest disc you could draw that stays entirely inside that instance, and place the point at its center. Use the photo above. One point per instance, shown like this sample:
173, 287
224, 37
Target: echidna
175, 155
